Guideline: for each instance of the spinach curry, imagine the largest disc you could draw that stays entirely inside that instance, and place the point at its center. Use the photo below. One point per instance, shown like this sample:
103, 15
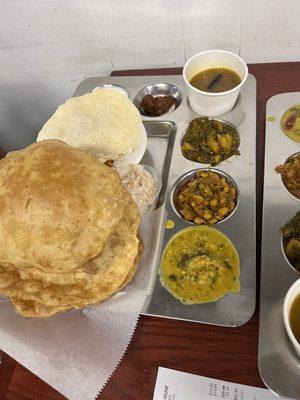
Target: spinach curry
291, 240
200, 265
209, 141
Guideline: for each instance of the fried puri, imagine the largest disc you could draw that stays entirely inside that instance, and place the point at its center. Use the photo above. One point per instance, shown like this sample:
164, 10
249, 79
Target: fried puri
68, 230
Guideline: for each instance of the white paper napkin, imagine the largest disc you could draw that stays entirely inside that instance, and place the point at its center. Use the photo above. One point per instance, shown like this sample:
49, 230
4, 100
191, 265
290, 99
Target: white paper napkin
76, 352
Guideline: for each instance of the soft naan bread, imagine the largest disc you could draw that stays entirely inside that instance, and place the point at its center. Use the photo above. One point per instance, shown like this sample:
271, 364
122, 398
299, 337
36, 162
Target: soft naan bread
68, 229
104, 123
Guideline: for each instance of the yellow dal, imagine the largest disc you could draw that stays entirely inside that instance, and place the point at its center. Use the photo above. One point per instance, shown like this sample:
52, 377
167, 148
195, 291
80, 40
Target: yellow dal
293, 133
200, 265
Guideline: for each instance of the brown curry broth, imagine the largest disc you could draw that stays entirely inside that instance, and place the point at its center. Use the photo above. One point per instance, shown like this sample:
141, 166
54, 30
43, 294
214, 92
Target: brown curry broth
215, 80
295, 317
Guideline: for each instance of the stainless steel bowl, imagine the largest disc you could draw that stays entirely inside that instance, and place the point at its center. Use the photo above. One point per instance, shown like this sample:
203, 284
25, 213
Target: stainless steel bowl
285, 256
158, 89
286, 161
191, 174
215, 119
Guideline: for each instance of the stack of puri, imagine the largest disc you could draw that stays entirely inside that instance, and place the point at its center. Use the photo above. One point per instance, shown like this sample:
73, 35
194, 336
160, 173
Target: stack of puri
68, 229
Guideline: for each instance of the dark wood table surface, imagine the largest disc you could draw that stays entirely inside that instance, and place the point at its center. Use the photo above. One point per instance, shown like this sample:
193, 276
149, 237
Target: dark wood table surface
222, 353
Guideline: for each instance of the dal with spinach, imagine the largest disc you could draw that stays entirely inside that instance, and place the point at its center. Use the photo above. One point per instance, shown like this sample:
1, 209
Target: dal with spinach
199, 265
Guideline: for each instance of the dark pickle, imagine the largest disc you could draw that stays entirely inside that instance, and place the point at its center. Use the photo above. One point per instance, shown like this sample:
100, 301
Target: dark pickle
154, 106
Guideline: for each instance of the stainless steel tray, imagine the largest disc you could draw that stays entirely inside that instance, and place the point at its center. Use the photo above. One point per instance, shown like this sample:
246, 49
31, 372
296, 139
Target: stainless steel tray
233, 309
278, 363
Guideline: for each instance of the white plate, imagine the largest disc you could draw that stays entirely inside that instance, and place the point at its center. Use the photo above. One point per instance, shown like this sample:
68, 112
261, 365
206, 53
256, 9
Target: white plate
137, 154
117, 88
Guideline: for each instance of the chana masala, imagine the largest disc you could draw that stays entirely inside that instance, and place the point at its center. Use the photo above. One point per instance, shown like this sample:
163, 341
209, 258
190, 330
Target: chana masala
206, 199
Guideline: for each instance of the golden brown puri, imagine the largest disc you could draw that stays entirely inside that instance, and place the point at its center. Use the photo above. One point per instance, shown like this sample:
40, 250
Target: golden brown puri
68, 229
53, 189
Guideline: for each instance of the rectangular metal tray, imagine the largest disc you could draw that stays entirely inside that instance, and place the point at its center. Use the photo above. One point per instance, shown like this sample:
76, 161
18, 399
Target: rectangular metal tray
278, 363
232, 309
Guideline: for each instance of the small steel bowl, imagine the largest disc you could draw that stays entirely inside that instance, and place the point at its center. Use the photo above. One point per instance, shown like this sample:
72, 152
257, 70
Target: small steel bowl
158, 89
214, 119
191, 174
285, 256
117, 88
286, 161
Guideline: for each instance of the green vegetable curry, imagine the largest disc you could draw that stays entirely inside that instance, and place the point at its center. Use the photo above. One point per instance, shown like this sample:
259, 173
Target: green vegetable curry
291, 240
210, 141
200, 265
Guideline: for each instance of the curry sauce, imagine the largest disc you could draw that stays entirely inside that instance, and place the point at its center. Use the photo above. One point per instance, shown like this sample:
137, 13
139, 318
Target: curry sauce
290, 123
199, 265
210, 141
216, 80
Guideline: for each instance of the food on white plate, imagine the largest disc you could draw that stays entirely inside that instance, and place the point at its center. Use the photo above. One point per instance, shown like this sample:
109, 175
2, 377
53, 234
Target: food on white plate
69, 230
104, 123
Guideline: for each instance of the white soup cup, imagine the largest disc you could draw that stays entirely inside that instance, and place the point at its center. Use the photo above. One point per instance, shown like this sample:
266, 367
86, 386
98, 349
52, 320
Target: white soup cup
292, 293
213, 104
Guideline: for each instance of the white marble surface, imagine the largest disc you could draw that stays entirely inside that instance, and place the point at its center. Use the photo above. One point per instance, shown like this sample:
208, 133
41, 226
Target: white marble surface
47, 47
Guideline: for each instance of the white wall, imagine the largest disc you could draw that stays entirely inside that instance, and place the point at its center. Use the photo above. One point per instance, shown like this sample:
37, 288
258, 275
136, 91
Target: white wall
47, 47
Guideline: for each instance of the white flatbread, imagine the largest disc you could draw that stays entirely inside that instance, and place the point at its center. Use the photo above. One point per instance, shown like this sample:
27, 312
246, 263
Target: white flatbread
104, 123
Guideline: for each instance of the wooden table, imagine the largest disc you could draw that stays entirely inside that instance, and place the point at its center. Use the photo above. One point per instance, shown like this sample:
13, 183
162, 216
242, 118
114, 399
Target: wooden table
224, 353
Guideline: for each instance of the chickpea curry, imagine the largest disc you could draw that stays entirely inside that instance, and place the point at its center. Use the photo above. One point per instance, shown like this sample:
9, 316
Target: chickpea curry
290, 174
210, 141
199, 265
205, 199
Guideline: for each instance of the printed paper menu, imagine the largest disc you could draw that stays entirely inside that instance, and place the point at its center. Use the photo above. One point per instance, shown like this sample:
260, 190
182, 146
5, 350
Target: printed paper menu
176, 385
